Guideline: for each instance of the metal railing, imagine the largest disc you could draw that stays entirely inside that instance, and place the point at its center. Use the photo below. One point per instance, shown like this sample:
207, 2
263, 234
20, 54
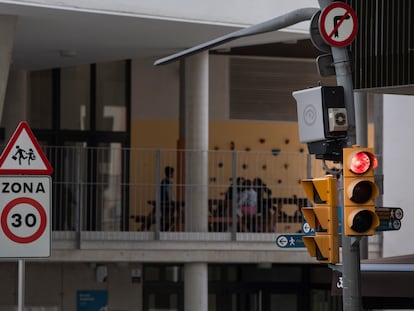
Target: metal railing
118, 189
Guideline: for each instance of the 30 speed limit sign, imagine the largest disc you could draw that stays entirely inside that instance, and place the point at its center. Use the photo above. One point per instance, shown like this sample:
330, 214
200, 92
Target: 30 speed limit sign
25, 216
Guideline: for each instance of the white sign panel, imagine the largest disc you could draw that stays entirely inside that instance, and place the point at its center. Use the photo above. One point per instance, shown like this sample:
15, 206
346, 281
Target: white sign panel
25, 216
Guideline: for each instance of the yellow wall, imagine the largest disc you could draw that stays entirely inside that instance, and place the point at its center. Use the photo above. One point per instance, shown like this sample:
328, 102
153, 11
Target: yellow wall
253, 135
244, 134
254, 142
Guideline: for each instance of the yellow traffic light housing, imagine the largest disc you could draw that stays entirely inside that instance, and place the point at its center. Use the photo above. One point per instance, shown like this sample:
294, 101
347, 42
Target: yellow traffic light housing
323, 218
360, 191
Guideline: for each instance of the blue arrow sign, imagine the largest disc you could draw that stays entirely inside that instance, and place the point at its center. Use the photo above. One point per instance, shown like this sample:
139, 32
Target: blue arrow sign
388, 225
290, 241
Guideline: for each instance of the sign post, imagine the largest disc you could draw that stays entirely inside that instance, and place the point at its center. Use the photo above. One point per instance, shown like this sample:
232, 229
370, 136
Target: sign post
25, 198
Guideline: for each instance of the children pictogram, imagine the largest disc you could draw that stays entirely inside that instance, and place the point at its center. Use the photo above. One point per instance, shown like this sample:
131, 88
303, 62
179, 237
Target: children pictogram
22, 154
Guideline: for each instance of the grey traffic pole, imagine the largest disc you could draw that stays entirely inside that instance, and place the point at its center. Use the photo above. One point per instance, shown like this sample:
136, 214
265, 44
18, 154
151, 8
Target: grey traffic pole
361, 123
21, 276
351, 292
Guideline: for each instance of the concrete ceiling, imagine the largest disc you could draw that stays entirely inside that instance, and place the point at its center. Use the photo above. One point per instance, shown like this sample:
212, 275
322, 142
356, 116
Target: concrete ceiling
48, 37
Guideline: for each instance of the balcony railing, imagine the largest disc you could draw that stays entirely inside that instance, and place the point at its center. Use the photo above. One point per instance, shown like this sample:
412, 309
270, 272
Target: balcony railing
117, 189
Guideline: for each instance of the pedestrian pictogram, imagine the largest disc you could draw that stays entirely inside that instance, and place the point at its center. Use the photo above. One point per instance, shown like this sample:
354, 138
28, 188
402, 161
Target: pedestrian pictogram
338, 24
290, 241
25, 216
23, 154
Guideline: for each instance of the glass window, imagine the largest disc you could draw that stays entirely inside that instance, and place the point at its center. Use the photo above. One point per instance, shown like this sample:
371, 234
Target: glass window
214, 273
75, 98
322, 300
152, 273
162, 301
67, 189
290, 274
41, 99
321, 275
111, 97
284, 302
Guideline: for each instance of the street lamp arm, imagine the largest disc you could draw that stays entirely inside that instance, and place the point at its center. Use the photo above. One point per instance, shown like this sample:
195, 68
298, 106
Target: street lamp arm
270, 25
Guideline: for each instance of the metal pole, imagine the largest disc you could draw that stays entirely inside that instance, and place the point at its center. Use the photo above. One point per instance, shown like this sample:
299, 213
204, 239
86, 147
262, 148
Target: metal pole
351, 292
361, 118
361, 124
20, 302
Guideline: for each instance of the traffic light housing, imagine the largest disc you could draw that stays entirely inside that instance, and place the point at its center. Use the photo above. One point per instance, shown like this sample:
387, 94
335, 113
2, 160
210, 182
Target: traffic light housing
323, 218
360, 191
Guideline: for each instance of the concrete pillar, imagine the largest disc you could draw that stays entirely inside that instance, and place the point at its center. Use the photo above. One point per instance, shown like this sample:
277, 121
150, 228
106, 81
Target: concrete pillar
195, 287
196, 101
196, 141
7, 30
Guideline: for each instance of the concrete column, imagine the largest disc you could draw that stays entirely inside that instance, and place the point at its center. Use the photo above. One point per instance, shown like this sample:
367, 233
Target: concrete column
195, 287
196, 141
196, 101
7, 30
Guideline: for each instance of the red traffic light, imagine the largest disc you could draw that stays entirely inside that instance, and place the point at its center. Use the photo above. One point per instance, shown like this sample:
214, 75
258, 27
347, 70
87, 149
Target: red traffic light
360, 190
362, 161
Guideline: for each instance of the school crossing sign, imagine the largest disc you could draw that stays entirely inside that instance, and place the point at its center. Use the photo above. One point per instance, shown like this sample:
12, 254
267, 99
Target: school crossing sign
23, 155
25, 197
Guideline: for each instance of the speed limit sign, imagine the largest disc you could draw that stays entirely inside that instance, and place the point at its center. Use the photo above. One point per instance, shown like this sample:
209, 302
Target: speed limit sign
25, 216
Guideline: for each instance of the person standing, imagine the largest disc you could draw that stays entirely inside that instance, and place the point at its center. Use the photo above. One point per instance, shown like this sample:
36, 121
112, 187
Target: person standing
167, 202
166, 187
264, 196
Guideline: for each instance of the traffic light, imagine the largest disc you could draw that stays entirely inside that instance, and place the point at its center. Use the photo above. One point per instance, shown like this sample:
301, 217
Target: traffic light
360, 191
323, 218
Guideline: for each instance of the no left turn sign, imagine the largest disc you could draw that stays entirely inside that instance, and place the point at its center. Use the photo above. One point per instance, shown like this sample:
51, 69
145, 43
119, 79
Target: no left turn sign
25, 216
338, 24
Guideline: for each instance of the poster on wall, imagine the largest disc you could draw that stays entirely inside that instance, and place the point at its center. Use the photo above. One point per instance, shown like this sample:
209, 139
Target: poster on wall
92, 300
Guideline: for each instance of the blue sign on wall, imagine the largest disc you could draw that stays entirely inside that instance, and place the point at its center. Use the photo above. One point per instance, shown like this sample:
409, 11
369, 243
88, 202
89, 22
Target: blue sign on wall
92, 300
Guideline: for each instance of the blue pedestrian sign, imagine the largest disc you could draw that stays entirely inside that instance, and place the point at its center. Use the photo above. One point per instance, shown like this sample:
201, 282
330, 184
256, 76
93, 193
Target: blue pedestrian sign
290, 241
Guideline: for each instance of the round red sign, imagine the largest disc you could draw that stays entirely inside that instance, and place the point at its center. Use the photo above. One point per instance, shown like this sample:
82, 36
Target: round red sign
33, 223
338, 24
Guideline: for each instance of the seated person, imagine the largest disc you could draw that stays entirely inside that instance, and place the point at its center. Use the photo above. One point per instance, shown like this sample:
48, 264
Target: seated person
247, 201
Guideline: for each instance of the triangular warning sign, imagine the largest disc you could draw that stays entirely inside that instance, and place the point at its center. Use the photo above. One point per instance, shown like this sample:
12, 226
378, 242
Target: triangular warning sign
23, 155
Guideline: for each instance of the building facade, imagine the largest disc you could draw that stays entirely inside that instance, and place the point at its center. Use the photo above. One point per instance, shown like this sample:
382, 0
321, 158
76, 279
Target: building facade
83, 76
